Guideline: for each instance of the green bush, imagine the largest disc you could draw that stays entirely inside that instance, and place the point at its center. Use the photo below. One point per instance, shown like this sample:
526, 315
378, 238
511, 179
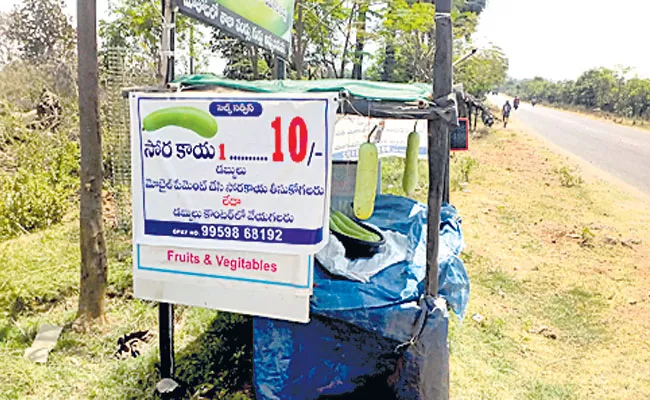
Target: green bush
466, 165
29, 201
37, 180
569, 177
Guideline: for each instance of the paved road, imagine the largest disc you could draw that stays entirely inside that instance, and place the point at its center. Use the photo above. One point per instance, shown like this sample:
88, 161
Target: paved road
621, 151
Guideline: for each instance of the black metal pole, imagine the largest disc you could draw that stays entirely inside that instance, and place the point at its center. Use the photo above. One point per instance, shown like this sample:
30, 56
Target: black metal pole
444, 39
438, 142
166, 310
281, 69
191, 49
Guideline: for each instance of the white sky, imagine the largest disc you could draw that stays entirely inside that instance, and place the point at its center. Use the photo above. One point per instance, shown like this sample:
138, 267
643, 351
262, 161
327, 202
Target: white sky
6, 5
556, 39
560, 39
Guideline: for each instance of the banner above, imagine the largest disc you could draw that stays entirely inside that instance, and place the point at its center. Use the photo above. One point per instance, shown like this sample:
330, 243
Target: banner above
263, 23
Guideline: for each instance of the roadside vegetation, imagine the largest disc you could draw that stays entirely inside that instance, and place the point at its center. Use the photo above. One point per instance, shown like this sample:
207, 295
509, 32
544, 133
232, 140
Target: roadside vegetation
617, 95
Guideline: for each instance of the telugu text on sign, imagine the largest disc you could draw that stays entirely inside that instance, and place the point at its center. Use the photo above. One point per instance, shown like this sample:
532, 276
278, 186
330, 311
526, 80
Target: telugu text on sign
232, 173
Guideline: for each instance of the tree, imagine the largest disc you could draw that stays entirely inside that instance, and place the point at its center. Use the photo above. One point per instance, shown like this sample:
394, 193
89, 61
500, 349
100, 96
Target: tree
407, 31
361, 36
41, 31
635, 97
609, 90
93, 246
484, 71
318, 30
8, 49
243, 61
135, 26
596, 88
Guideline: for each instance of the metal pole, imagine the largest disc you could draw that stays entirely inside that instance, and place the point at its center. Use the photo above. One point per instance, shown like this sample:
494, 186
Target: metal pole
281, 68
166, 310
444, 39
465, 57
191, 49
438, 142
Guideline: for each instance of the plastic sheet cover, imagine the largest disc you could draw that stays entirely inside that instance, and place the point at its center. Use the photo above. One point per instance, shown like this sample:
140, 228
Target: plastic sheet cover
382, 339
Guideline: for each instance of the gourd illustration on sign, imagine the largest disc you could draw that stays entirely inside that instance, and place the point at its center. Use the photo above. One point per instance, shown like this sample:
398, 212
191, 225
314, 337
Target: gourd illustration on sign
198, 121
258, 12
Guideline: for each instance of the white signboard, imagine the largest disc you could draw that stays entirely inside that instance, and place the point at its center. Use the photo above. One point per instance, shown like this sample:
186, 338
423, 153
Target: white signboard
231, 198
352, 131
235, 173
263, 284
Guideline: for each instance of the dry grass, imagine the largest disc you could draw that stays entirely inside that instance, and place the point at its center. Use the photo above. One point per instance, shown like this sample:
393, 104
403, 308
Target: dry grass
567, 312
559, 262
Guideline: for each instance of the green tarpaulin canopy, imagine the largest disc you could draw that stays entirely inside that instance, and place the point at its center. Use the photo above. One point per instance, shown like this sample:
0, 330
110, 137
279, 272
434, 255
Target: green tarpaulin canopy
373, 91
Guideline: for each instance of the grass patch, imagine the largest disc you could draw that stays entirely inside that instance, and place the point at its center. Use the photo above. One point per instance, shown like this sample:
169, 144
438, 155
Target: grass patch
577, 313
499, 282
546, 391
40, 277
36, 273
569, 177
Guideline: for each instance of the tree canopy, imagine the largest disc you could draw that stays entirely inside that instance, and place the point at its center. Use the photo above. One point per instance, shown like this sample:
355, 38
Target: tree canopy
600, 88
332, 39
39, 30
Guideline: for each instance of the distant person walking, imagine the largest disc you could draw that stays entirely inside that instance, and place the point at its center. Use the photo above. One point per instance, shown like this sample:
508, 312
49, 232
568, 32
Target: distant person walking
506, 113
515, 103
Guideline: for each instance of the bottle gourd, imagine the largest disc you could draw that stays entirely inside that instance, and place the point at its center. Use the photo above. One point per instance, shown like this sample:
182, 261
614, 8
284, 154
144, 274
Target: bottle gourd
365, 189
341, 223
410, 179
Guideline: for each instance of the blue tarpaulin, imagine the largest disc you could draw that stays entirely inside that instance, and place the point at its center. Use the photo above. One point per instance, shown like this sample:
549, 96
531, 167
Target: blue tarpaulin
383, 335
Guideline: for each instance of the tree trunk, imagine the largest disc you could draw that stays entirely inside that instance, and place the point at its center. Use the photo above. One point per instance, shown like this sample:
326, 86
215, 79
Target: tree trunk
389, 62
347, 41
357, 71
255, 62
299, 52
93, 246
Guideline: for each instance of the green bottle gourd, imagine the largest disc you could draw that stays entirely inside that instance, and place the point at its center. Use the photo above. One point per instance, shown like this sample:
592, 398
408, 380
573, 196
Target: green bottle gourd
365, 189
334, 224
410, 180
199, 121
352, 229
